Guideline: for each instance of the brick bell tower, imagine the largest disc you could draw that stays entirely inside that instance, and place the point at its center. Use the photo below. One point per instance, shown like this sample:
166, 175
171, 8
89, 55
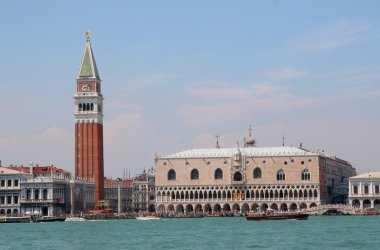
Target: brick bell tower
88, 114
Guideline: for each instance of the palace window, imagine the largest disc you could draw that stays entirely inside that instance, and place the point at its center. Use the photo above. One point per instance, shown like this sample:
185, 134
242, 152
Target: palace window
28, 194
16, 183
238, 176
194, 174
218, 174
356, 190
280, 175
9, 183
44, 194
257, 173
3, 183
171, 175
366, 189
377, 189
305, 175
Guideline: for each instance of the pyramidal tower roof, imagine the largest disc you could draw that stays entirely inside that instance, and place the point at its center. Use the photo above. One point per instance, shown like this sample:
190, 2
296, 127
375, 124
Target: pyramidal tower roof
88, 67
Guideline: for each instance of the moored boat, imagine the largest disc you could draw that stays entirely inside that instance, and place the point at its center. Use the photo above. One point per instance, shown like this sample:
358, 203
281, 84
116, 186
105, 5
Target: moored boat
148, 217
277, 216
50, 219
75, 219
15, 219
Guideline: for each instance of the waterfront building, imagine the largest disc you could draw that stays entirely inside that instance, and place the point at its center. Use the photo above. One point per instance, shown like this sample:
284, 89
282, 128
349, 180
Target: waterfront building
249, 178
10, 190
52, 191
143, 194
89, 162
364, 190
118, 189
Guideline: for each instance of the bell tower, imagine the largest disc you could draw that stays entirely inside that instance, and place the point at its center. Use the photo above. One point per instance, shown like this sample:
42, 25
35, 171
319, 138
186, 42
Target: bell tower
89, 162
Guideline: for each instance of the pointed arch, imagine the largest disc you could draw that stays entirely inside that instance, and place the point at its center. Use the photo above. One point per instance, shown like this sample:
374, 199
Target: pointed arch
305, 175
218, 174
171, 175
194, 175
281, 175
257, 173
238, 176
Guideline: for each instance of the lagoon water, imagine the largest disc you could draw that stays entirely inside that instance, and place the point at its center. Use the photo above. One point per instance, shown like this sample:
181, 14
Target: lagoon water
321, 232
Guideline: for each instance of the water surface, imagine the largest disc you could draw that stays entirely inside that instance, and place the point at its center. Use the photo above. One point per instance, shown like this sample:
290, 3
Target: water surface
323, 232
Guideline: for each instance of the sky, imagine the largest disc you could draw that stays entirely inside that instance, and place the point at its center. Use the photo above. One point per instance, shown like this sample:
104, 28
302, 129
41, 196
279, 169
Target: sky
177, 73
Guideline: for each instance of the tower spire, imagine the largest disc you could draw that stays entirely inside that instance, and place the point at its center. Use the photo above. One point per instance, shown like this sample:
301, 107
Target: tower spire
87, 35
88, 67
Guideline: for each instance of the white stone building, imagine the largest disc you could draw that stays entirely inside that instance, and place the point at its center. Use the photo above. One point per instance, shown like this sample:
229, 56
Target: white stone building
364, 190
10, 190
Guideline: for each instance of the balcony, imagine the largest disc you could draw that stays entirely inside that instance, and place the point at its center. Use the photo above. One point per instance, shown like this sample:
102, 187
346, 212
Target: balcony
41, 201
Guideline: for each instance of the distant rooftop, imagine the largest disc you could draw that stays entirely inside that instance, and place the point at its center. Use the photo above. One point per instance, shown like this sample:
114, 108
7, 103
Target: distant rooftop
368, 175
4, 170
39, 169
250, 151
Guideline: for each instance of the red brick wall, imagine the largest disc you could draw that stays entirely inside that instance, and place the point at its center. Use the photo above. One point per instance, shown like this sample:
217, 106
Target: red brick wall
89, 162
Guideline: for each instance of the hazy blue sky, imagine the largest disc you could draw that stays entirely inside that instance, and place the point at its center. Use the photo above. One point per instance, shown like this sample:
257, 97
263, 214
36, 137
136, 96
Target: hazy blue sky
176, 73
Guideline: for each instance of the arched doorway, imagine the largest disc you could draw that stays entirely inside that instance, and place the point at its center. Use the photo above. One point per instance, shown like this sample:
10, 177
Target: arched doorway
284, 207
217, 208
198, 208
264, 207
255, 207
226, 208
236, 207
161, 208
376, 204
313, 205
180, 208
152, 208
171, 208
189, 208
356, 203
274, 206
208, 208
303, 206
366, 204
245, 208
293, 207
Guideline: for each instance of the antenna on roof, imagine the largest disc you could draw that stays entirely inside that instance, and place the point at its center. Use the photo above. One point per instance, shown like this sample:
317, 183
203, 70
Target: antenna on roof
283, 140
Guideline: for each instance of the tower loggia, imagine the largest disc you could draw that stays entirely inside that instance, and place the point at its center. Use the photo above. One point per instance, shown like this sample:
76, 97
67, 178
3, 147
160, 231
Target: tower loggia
89, 157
